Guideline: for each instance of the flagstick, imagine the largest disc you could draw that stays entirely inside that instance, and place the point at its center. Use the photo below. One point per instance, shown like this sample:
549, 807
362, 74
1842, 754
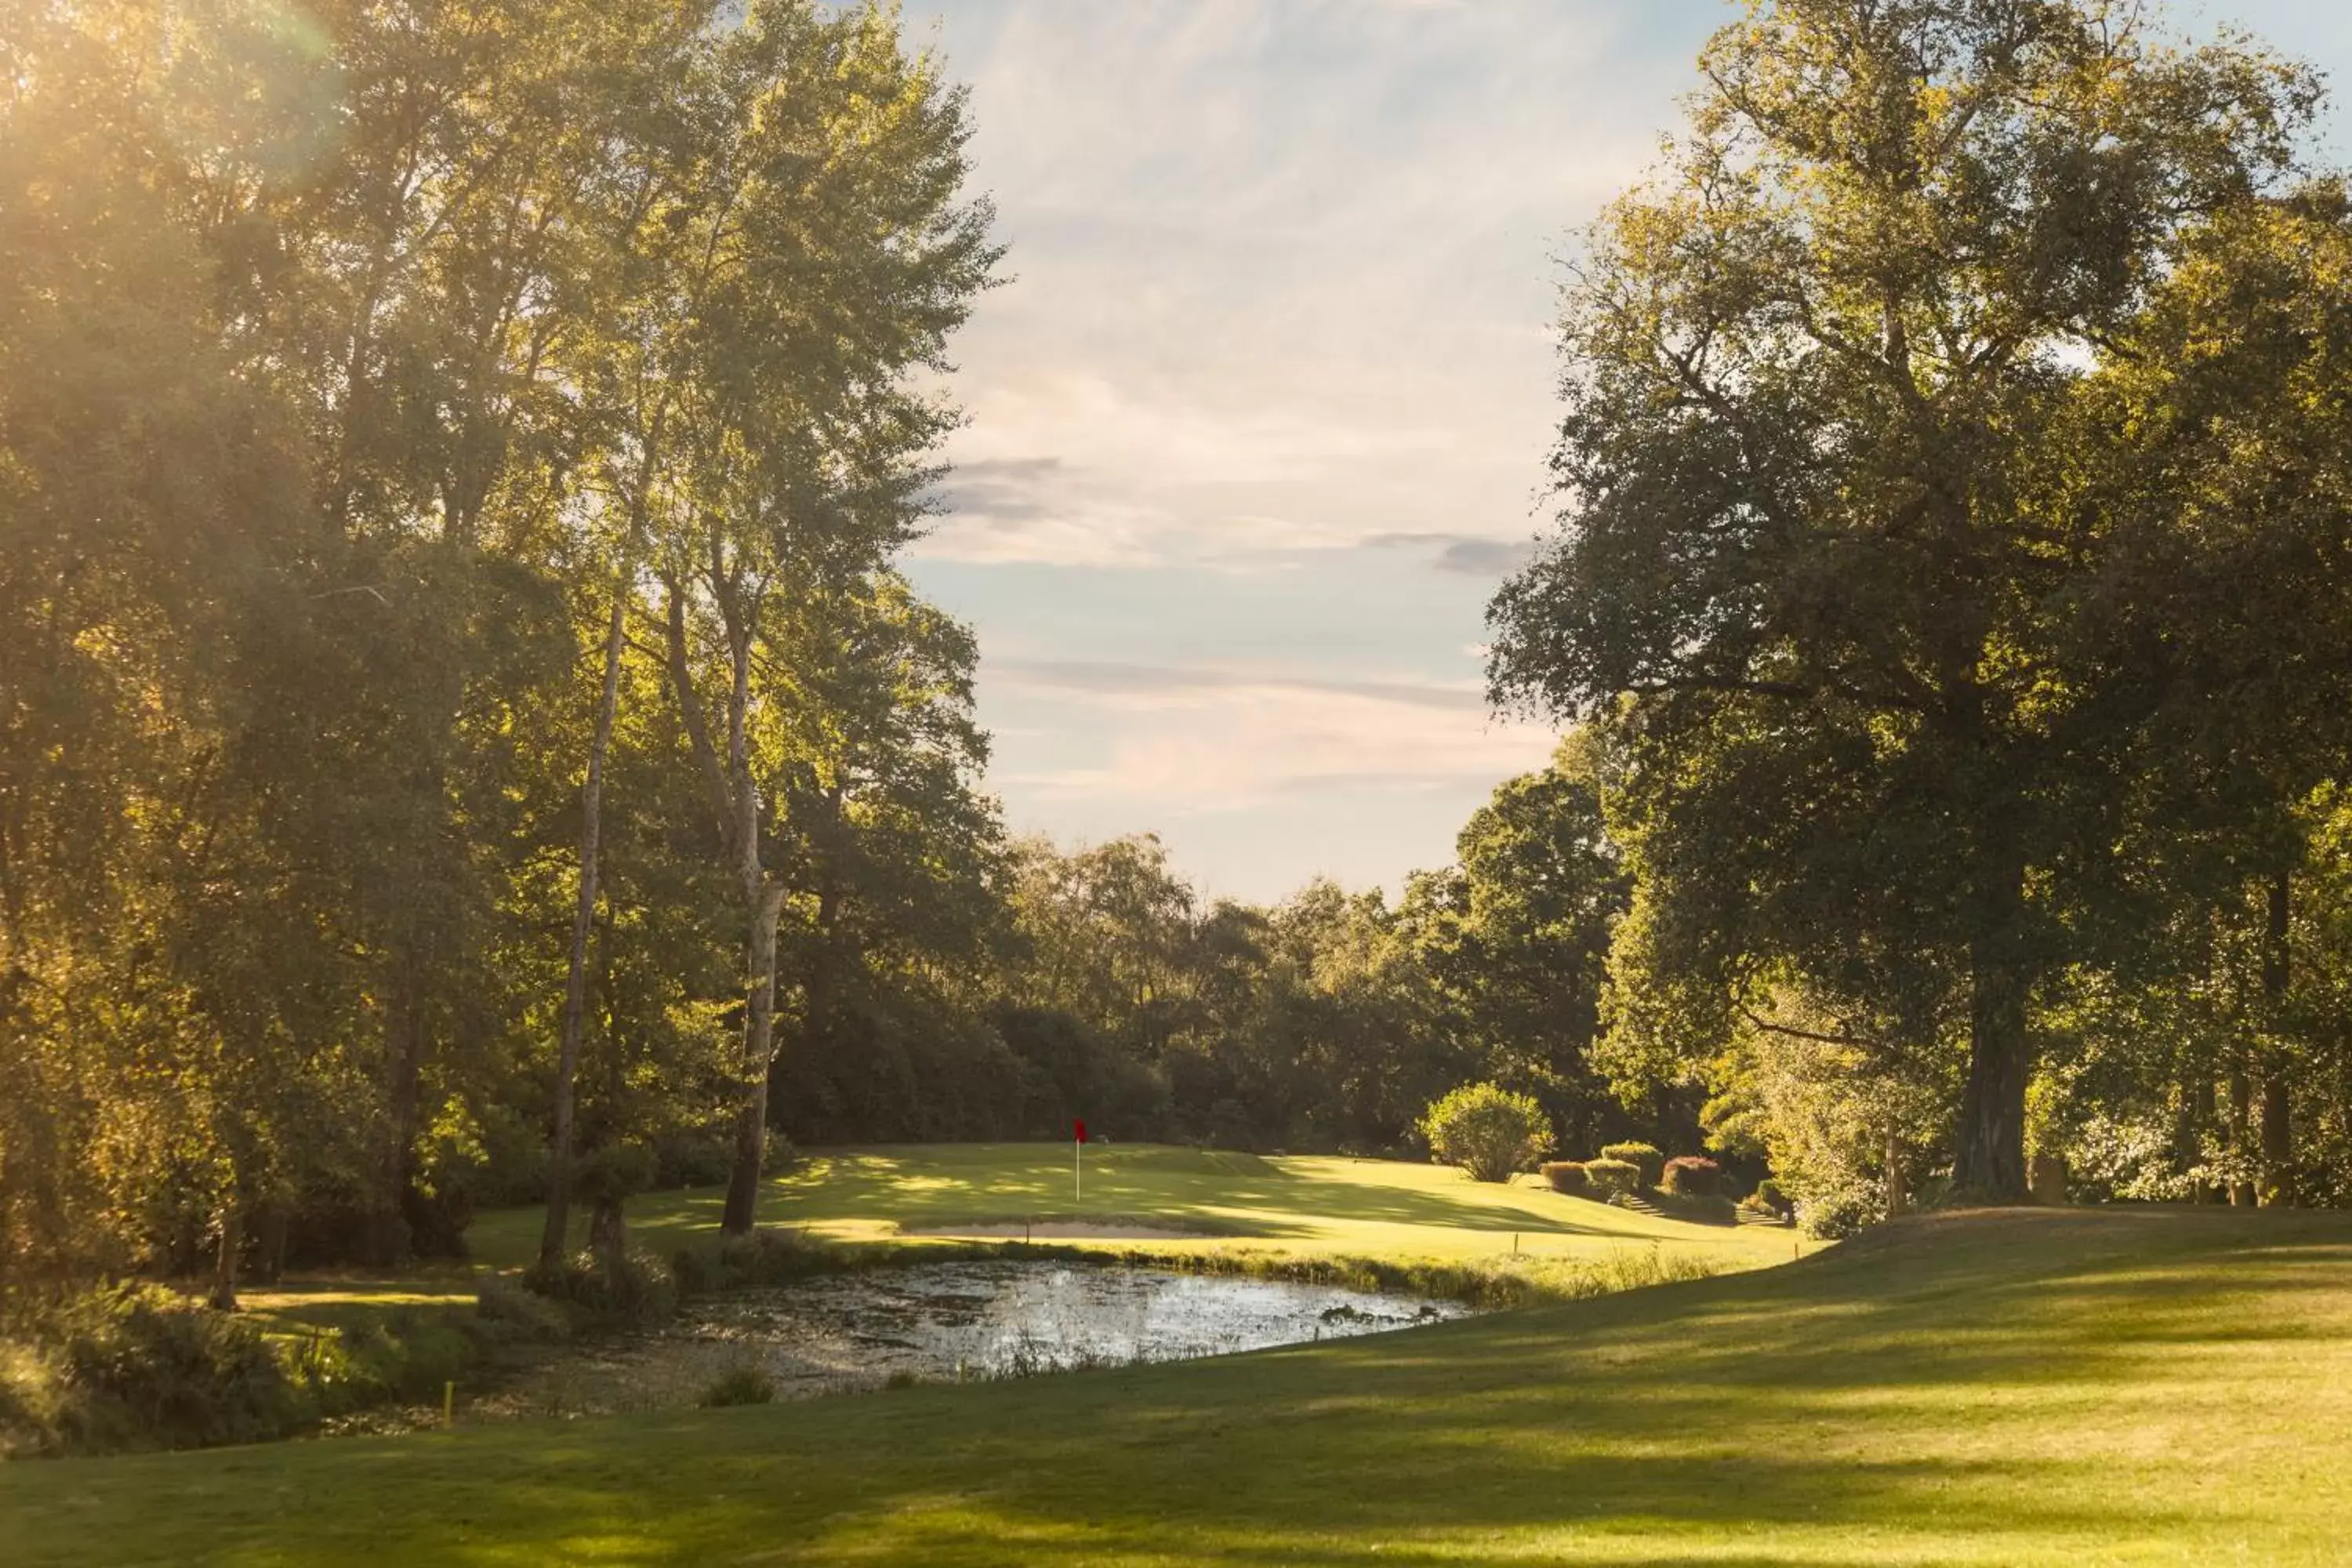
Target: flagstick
1078, 1170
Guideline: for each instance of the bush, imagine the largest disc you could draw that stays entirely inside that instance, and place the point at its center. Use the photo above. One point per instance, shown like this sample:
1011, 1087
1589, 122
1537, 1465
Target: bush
743, 1262
1691, 1176
141, 1366
1566, 1176
521, 1313
747, 1384
693, 1159
630, 1287
1770, 1197
1701, 1208
1610, 1178
1487, 1130
1643, 1157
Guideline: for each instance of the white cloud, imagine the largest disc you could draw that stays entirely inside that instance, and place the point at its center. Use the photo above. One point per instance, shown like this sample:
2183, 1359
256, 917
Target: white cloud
1284, 275
1182, 741
1282, 272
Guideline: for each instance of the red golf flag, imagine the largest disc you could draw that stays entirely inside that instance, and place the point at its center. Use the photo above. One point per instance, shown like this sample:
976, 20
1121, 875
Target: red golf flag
1078, 1129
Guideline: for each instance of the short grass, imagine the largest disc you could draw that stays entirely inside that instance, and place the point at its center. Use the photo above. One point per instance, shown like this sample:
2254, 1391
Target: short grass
2127, 1387
1300, 1205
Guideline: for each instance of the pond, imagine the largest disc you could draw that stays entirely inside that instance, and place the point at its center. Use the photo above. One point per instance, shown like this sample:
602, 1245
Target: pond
944, 1322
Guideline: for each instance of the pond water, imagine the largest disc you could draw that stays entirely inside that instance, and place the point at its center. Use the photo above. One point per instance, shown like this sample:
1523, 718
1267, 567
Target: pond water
942, 1322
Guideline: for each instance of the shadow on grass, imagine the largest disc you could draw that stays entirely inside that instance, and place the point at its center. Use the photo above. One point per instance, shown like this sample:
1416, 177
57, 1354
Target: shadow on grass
1948, 1392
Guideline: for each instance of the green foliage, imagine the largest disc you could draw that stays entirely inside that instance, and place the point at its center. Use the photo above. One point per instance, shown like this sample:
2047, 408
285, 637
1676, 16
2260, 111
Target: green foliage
746, 1385
1770, 1195
140, 1366
1880, 794
1698, 1208
1487, 1130
1613, 1178
629, 1288
765, 1258
1645, 1157
1565, 1176
520, 1312
1692, 1175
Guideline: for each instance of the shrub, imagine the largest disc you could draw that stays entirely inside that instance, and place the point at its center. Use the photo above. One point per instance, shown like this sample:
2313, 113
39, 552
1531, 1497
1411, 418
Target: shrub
1692, 1175
1487, 1130
626, 1288
521, 1313
1770, 1196
742, 1262
142, 1366
1610, 1178
693, 1159
1566, 1176
1643, 1157
1698, 1208
747, 1384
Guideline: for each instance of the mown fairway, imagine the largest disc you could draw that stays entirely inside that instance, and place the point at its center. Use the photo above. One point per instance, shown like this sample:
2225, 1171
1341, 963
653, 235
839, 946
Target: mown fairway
1304, 1204
2012, 1387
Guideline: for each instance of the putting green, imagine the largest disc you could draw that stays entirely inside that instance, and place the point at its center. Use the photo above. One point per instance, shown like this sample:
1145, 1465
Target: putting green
1303, 1205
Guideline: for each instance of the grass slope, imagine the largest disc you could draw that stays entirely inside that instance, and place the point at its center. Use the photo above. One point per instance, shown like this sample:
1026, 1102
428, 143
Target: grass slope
2129, 1387
1300, 1205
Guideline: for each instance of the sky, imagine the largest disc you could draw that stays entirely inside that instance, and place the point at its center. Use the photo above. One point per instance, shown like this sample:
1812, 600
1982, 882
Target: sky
1259, 422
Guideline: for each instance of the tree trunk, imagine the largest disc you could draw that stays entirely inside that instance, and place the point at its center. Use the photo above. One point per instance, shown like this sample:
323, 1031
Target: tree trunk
1894, 1201
224, 1261
2196, 1114
2242, 1191
2277, 1185
2271, 1093
394, 1233
759, 1054
1991, 1167
583, 915
608, 1231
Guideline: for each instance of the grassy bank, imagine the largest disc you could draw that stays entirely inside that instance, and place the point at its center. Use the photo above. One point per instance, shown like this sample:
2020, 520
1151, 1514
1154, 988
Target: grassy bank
2081, 1387
380, 1350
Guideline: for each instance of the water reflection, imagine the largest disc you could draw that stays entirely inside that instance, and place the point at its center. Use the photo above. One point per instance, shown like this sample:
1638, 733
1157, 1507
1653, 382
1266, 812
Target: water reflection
945, 1321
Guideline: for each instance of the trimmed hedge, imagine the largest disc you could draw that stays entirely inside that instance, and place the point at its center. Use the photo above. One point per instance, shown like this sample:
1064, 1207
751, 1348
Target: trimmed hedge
1645, 1158
1711, 1208
1609, 1177
1693, 1176
1567, 1176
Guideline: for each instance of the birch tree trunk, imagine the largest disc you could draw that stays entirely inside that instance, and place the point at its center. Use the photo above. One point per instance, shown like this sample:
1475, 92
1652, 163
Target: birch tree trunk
741, 1210
575, 988
735, 803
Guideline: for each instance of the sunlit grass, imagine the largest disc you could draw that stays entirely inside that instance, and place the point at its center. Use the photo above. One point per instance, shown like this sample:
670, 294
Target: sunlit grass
2013, 1388
1305, 1205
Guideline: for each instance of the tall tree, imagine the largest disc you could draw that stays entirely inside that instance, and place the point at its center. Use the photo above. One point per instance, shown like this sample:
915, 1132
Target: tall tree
1815, 368
844, 253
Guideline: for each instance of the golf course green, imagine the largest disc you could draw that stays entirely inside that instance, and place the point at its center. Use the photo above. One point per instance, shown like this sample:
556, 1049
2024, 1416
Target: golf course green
1177, 1199
2123, 1386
